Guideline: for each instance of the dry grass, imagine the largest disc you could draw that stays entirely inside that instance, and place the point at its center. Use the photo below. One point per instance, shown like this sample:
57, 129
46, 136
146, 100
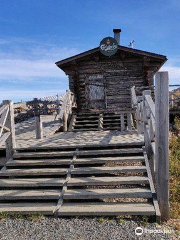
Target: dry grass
174, 172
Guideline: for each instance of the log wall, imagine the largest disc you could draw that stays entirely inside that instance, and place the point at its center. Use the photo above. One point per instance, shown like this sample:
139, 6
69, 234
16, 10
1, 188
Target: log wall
117, 76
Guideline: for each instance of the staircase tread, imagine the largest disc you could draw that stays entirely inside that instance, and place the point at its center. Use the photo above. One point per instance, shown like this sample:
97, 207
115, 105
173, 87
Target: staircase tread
111, 209
33, 162
28, 208
29, 194
41, 154
81, 152
83, 129
33, 172
108, 169
109, 159
106, 193
86, 181
26, 182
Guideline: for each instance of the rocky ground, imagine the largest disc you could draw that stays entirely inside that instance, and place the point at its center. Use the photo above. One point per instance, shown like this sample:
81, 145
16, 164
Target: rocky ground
47, 228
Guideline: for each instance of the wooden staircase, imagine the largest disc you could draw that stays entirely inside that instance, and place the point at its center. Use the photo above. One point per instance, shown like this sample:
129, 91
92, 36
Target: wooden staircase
104, 121
71, 181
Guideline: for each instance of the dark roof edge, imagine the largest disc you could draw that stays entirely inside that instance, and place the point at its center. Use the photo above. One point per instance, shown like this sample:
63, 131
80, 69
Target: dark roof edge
130, 50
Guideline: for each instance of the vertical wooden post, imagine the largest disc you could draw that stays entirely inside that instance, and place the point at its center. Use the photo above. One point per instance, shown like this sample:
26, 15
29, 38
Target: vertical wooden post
162, 142
38, 127
38, 121
10, 142
147, 140
65, 119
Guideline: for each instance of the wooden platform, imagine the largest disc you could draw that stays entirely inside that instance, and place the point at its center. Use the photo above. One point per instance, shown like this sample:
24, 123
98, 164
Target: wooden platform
109, 176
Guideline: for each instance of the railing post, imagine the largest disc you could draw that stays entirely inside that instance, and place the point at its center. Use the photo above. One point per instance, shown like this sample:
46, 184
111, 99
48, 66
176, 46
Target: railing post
38, 121
162, 142
10, 142
64, 117
145, 123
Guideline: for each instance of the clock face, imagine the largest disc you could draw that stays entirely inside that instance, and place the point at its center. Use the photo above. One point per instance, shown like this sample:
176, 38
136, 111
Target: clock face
108, 46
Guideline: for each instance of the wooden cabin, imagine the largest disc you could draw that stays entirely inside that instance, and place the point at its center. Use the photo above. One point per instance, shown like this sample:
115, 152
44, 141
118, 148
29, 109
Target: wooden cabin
102, 83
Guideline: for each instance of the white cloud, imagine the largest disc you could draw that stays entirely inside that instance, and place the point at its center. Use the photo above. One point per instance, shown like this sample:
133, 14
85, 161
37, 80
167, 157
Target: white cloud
173, 68
27, 69
31, 60
18, 95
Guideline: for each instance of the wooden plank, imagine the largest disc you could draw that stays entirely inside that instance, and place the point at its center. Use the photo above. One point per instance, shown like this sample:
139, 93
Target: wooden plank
108, 181
28, 194
64, 189
108, 193
129, 121
28, 208
106, 209
3, 108
39, 162
31, 182
4, 137
122, 122
109, 159
162, 142
42, 154
155, 202
110, 151
10, 142
92, 170
85, 129
38, 127
33, 172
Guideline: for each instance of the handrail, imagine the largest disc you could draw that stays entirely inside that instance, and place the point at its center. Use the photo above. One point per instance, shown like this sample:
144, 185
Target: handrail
66, 109
134, 101
145, 119
7, 127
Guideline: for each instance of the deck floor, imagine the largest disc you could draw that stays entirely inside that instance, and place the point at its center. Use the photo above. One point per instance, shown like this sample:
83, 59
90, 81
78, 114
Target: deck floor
25, 140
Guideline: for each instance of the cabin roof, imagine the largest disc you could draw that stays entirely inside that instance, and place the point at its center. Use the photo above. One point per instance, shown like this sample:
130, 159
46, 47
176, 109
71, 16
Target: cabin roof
122, 48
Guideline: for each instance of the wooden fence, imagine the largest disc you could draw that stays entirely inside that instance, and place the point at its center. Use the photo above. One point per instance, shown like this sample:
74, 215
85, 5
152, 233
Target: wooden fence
62, 106
152, 120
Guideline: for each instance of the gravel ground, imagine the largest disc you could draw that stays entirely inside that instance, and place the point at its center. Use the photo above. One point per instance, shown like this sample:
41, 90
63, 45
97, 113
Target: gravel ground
48, 228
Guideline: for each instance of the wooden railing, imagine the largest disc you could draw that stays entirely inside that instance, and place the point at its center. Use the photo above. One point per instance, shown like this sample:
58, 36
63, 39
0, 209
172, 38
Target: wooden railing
62, 106
152, 120
7, 127
69, 102
174, 101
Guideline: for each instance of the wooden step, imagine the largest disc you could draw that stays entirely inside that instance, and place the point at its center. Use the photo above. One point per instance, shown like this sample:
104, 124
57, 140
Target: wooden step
112, 128
110, 151
32, 182
29, 194
28, 208
33, 172
106, 209
86, 117
107, 181
87, 121
39, 162
117, 169
85, 125
42, 154
109, 159
84, 129
107, 193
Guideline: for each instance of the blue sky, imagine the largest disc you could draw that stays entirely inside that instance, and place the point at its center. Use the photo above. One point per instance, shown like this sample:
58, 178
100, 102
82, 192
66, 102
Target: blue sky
34, 34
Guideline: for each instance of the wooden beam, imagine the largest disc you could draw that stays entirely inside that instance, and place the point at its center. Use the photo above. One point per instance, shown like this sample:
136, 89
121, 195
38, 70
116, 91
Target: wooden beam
161, 142
10, 142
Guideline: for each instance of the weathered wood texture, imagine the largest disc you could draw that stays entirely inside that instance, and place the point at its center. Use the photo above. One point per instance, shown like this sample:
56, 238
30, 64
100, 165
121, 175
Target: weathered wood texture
7, 127
162, 143
104, 83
